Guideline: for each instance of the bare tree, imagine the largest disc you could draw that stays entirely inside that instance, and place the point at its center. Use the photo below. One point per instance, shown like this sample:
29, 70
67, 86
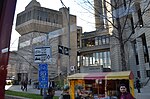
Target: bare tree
117, 14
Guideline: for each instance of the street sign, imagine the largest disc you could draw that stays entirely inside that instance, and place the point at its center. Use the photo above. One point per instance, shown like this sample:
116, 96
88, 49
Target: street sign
63, 50
43, 76
66, 51
60, 49
42, 54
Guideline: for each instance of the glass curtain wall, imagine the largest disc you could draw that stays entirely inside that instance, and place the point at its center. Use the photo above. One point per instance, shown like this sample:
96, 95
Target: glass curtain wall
97, 58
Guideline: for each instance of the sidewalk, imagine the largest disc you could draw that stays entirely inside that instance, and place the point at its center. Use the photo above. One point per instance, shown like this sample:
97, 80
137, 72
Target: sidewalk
30, 89
145, 91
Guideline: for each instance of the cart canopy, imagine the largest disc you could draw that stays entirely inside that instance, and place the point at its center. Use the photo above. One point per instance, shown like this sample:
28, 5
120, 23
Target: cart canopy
103, 75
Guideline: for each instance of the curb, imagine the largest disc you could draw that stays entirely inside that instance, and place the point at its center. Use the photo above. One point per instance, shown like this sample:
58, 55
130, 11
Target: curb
14, 97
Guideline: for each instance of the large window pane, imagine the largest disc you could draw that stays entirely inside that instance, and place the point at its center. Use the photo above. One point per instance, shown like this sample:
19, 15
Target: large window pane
103, 40
96, 40
100, 40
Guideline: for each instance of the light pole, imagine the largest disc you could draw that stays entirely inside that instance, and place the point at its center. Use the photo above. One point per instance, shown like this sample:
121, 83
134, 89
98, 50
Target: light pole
46, 44
68, 24
68, 17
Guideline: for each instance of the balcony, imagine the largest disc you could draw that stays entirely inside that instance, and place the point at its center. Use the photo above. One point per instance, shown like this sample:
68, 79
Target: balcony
94, 48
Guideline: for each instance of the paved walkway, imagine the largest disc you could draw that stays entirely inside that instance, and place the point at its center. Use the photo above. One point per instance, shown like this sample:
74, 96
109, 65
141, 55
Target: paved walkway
145, 91
30, 89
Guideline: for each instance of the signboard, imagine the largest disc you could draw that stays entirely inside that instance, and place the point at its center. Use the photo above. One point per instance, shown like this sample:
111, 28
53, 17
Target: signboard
43, 76
63, 50
42, 54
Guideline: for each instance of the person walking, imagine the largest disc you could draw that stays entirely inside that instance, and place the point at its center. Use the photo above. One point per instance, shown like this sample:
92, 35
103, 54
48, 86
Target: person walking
124, 94
51, 93
51, 83
25, 85
22, 85
138, 85
79, 92
30, 82
65, 94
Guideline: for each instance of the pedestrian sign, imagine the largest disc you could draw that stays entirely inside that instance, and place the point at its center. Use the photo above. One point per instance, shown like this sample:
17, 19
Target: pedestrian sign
42, 54
43, 76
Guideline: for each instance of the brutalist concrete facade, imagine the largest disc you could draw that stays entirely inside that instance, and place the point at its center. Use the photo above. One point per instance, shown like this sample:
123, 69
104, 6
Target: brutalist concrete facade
39, 26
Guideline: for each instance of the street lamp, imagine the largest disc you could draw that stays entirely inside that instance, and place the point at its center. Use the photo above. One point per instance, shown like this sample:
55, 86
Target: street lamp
68, 24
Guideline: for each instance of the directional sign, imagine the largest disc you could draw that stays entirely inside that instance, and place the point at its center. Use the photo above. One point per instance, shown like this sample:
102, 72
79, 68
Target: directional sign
42, 54
60, 49
43, 76
63, 50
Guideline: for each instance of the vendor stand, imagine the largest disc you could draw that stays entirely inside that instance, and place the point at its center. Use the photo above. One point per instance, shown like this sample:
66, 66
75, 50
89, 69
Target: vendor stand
101, 84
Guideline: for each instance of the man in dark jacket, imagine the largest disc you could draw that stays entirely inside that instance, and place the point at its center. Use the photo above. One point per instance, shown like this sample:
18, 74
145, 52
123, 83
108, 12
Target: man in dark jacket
138, 85
51, 93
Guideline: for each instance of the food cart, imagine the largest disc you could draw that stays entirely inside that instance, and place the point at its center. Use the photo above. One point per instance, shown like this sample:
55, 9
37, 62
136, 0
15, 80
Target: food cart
102, 84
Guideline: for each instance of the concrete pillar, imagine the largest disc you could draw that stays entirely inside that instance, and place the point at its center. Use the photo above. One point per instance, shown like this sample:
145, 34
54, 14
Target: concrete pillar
141, 58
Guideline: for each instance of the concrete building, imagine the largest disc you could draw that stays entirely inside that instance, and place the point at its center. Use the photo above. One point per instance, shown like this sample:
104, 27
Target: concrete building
102, 47
38, 27
132, 19
93, 51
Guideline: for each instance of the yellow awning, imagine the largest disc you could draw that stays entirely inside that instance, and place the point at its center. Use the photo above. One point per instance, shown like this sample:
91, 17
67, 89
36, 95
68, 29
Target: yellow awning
103, 75
120, 75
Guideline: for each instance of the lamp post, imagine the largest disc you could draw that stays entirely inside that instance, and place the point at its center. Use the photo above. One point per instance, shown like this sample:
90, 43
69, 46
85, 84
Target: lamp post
68, 25
68, 17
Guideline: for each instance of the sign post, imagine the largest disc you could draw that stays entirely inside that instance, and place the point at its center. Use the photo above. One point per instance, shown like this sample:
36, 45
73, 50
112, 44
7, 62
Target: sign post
42, 56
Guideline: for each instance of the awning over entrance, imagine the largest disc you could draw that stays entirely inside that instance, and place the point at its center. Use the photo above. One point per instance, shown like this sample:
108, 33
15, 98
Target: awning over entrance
103, 75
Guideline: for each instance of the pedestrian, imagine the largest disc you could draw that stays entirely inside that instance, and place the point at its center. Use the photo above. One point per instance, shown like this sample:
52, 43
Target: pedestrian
79, 92
138, 85
51, 83
22, 85
124, 94
51, 93
65, 94
25, 85
30, 82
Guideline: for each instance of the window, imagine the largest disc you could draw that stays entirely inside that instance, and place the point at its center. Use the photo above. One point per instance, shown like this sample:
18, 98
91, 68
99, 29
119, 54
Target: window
124, 2
140, 22
103, 40
101, 58
145, 49
132, 25
107, 40
100, 40
96, 40
88, 42
136, 53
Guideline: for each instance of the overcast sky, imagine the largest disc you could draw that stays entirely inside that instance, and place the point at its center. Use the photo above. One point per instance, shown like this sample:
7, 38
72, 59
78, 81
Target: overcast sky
77, 7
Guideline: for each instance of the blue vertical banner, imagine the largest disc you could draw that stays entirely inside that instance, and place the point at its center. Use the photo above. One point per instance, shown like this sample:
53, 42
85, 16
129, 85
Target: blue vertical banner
43, 75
